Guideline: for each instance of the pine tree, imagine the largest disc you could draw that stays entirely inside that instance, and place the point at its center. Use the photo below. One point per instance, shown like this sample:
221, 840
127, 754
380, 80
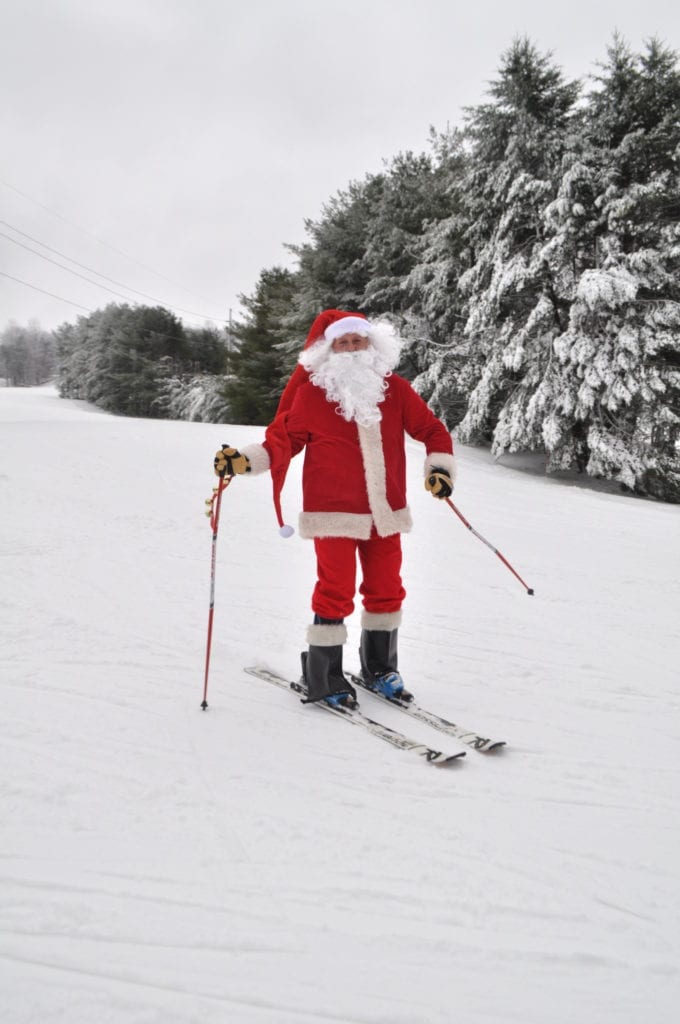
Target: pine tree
206, 349
260, 366
413, 194
512, 317
365, 244
441, 251
617, 413
117, 357
435, 316
332, 268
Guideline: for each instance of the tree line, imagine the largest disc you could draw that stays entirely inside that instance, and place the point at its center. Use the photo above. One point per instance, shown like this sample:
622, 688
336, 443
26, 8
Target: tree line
143, 361
530, 258
28, 355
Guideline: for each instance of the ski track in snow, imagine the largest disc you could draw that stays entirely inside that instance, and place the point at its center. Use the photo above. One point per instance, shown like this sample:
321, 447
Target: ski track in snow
261, 862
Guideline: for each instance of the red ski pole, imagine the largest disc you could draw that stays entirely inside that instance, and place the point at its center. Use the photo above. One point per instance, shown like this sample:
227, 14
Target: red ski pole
505, 562
214, 503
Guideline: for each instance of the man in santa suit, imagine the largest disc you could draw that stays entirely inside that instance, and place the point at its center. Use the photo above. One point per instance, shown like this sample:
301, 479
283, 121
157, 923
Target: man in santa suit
350, 412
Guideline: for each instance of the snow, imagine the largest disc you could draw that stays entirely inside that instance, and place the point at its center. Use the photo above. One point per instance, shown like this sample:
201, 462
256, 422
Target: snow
610, 288
261, 862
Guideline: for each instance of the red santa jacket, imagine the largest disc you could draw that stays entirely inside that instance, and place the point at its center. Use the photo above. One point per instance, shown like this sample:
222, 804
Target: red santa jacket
354, 477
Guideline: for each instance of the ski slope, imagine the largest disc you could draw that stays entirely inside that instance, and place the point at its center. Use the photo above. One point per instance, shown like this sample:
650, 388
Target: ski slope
262, 863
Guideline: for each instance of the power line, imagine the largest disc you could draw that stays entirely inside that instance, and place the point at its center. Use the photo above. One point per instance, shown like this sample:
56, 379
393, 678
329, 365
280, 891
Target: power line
83, 266
101, 241
82, 276
61, 266
156, 334
51, 294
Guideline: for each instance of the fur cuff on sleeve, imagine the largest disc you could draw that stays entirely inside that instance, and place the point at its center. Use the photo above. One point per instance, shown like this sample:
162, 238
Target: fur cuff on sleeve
441, 460
257, 456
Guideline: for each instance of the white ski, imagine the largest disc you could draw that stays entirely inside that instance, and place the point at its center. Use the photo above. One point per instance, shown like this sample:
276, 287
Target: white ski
356, 717
472, 739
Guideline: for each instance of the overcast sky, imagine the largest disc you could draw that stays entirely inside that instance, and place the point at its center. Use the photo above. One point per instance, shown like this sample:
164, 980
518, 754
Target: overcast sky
193, 137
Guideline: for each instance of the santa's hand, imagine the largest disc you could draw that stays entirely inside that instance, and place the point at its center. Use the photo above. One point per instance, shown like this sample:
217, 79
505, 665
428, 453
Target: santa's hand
439, 483
229, 461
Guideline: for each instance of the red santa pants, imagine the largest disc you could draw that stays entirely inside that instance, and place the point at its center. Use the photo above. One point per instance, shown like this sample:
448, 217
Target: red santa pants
336, 567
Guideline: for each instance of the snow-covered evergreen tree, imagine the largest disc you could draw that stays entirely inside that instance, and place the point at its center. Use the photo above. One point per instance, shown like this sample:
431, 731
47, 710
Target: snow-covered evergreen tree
259, 366
122, 358
512, 317
413, 194
332, 269
361, 250
441, 253
435, 317
196, 397
616, 413
113, 357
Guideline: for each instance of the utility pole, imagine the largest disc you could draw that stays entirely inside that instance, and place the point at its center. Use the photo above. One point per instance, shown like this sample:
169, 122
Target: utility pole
230, 341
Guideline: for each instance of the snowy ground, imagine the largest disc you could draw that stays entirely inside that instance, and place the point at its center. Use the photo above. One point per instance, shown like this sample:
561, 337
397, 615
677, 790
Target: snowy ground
262, 862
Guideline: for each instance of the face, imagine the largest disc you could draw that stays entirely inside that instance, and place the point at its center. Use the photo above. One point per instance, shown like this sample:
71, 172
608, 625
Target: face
350, 343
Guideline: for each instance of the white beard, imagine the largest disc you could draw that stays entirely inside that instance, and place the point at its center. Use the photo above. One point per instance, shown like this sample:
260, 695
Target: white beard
357, 381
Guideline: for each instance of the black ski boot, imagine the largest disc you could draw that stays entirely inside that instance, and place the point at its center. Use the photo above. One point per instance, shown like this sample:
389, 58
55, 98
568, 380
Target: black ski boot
378, 653
322, 665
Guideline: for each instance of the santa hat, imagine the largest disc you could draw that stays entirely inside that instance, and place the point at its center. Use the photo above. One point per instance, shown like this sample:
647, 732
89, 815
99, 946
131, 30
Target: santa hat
328, 325
333, 323
317, 347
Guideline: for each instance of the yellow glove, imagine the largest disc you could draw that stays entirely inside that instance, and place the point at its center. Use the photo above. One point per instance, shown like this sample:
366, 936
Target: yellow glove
229, 462
439, 483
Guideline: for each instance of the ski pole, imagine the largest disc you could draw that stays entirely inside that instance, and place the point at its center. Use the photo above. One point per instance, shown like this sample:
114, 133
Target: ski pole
213, 511
505, 562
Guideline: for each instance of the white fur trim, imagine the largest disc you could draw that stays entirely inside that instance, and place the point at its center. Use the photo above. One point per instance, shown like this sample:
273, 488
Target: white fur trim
335, 524
323, 635
380, 622
257, 456
347, 524
386, 520
441, 460
347, 325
